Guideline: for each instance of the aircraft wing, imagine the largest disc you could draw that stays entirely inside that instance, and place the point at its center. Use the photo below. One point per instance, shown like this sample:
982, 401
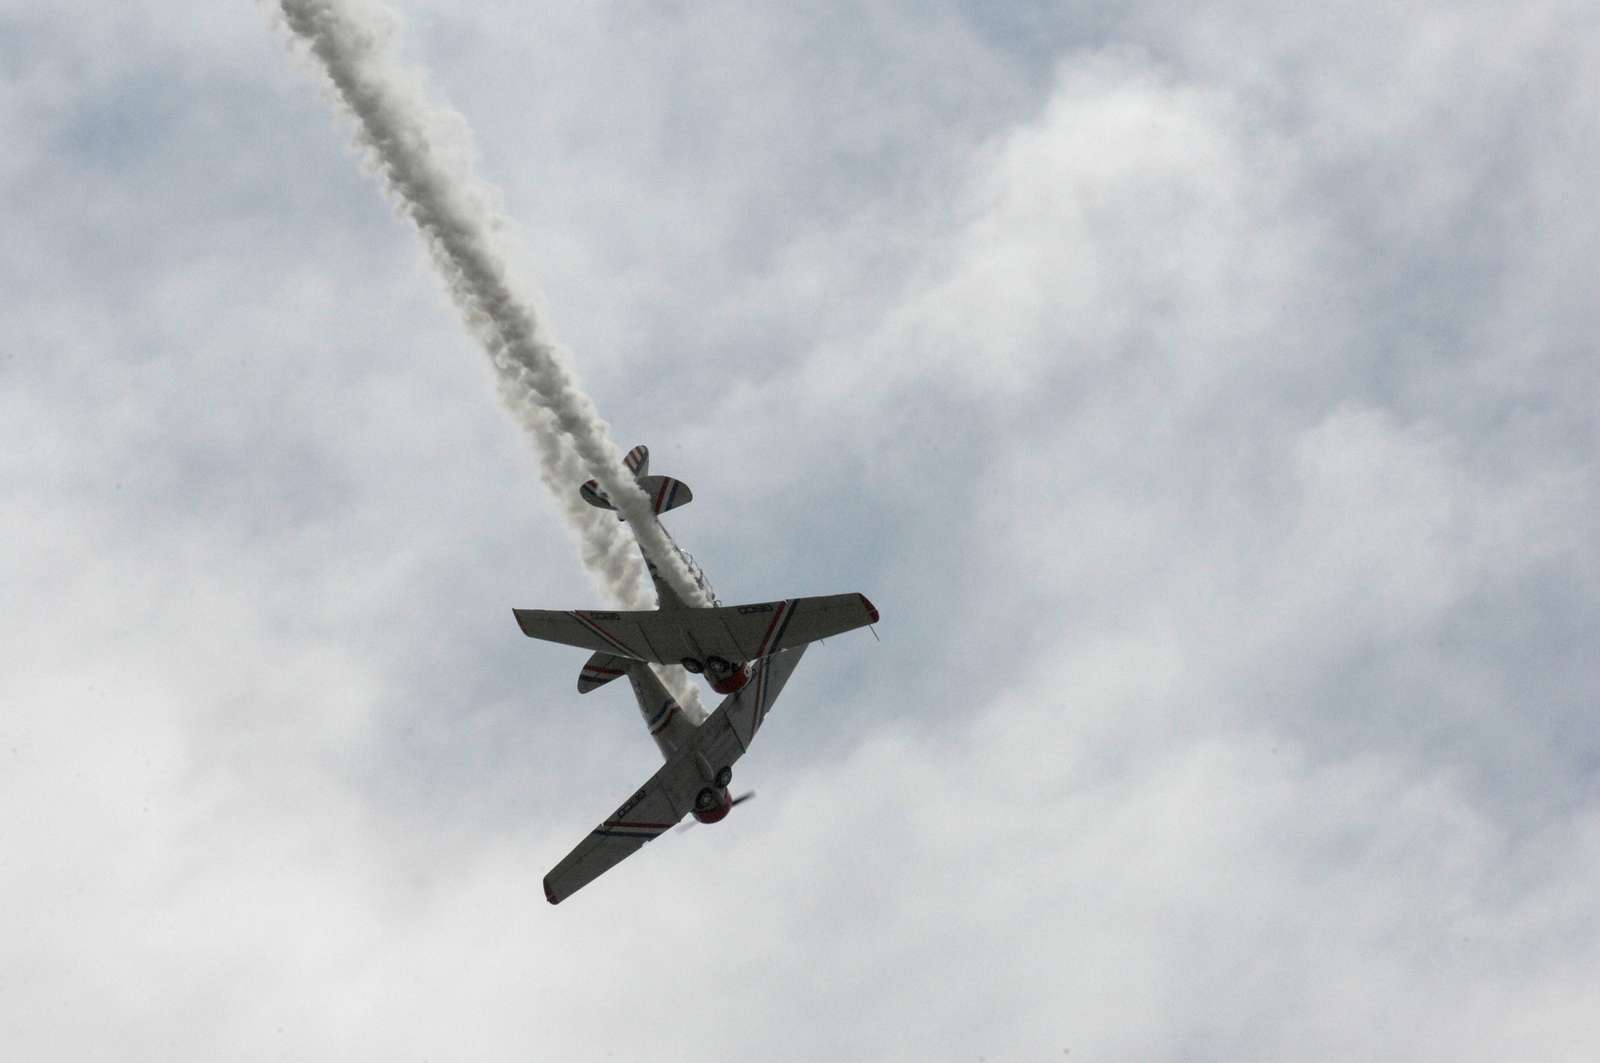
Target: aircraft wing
726, 734
660, 803
721, 740
733, 632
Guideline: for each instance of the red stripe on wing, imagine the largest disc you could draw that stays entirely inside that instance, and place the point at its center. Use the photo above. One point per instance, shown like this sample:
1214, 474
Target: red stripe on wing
772, 628
641, 826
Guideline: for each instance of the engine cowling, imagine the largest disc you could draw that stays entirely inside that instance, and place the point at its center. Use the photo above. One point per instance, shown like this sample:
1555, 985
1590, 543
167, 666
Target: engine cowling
713, 804
726, 677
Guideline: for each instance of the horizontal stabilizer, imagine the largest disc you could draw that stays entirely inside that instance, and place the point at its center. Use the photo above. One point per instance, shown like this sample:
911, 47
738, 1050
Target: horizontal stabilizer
601, 669
592, 494
637, 461
665, 493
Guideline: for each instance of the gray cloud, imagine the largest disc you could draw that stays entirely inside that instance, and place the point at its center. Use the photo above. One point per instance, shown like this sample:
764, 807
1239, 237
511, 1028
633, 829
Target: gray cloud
1203, 398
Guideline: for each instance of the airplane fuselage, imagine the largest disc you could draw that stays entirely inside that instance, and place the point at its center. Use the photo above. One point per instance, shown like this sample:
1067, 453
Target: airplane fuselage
725, 676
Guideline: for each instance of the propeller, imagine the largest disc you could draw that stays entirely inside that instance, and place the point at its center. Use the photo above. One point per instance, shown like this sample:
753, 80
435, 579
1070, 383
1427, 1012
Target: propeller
747, 795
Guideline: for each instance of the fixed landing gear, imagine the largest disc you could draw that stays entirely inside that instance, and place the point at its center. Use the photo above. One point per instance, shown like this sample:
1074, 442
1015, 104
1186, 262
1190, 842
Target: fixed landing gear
724, 776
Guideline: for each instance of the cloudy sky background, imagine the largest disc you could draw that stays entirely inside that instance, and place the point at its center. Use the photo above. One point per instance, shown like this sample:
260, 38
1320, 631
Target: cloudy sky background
1205, 396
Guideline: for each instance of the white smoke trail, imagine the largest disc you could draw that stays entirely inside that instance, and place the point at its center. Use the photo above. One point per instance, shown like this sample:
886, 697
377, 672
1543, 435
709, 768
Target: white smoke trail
421, 152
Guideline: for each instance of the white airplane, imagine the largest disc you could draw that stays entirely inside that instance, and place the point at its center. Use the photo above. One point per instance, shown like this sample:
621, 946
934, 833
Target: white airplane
747, 652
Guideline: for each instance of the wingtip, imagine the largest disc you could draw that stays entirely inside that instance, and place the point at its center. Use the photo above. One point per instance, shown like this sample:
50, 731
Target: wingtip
522, 623
549, 896
872, 610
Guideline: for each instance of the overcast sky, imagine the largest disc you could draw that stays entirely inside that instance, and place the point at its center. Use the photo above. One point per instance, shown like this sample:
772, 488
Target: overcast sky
1204, 394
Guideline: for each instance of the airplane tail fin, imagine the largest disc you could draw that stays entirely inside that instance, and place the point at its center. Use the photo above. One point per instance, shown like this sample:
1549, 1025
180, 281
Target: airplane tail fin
665, 492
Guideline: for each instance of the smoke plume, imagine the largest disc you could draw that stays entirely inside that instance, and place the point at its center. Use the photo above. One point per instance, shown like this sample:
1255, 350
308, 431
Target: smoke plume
421, 152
